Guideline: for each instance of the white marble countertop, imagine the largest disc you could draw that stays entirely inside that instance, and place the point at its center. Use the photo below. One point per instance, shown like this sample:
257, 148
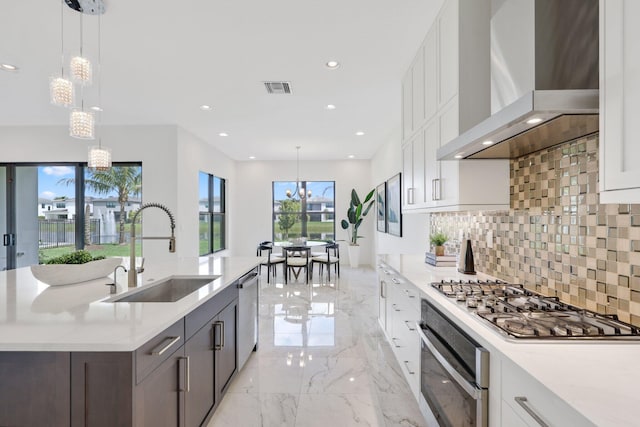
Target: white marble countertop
599, 379
38, 317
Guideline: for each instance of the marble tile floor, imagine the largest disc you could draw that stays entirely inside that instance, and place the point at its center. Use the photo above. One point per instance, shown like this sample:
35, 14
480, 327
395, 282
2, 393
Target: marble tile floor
322, 360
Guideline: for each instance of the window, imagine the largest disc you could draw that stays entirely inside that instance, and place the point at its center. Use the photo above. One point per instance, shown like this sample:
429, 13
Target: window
111, 205
312, 217
61, 205
211, 190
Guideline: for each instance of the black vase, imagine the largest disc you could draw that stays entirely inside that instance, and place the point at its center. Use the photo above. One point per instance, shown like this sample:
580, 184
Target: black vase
468, 267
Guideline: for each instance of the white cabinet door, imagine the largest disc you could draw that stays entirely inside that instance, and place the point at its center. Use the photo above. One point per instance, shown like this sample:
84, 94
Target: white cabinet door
407, 174
431, 165
448, 49
418, 169
449, 178
417, 89
407, 105
430, 51
531, 401
619, 101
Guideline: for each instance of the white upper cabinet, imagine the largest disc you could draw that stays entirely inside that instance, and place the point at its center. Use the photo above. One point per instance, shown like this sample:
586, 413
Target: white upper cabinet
407, 105
449, 87
619, 101
431, 88
448, 48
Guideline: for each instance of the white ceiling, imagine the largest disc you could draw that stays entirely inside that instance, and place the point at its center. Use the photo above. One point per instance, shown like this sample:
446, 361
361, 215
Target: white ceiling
162, 59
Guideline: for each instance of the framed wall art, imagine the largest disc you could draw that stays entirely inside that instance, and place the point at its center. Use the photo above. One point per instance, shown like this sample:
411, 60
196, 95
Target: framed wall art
394, 215
381, 207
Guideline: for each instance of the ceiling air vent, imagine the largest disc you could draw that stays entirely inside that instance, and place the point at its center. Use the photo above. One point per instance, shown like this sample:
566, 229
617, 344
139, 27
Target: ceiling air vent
278, 87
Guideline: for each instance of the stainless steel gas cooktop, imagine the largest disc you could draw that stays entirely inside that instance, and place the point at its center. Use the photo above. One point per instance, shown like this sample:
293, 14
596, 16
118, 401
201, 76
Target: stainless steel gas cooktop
523, 314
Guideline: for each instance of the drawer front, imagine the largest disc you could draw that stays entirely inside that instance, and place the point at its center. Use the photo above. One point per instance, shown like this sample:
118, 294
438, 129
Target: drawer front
535, 404
207, 311
155, 351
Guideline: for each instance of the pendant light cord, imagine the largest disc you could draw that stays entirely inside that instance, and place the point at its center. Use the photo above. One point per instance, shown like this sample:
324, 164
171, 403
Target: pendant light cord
99, 81
62, 38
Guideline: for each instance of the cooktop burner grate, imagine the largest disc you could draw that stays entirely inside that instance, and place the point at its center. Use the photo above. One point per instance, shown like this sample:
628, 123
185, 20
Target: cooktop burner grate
521, 313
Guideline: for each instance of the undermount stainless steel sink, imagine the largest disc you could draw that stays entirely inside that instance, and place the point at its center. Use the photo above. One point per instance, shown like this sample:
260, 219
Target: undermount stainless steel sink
170, 289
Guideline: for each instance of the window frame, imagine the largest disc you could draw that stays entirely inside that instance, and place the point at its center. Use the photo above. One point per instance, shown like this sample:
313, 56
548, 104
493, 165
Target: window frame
214, 214
304, 211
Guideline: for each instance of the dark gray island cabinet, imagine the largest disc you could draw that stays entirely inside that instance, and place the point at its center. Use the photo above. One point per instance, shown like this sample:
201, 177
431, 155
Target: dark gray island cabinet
177, 378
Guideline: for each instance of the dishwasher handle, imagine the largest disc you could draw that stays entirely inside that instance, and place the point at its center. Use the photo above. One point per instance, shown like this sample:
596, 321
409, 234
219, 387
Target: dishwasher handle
245, 280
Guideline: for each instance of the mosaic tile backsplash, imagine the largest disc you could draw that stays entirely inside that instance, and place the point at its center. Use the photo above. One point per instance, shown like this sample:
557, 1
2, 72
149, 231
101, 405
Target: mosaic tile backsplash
556, 238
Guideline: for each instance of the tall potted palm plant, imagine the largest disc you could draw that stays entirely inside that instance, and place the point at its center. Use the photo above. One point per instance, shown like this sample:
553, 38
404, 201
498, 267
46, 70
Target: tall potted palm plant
355, 215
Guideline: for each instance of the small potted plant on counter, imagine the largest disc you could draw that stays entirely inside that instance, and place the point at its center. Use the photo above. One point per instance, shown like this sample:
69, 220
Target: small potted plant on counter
355, 215
74, 267
438, 240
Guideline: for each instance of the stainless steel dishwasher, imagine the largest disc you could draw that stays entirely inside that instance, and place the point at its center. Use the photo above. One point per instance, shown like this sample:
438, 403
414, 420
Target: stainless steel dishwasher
247, 316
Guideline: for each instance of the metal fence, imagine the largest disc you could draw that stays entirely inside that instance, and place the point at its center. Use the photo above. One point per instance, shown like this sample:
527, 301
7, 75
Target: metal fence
53, 233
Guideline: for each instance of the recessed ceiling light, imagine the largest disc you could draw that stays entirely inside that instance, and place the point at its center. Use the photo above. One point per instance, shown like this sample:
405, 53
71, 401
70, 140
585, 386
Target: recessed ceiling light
487, 143
330, 107
359, 133
534, 121
8, 67
458, 156
205, 107
252, 157
223, 134
351, 156
332, 65
96, 108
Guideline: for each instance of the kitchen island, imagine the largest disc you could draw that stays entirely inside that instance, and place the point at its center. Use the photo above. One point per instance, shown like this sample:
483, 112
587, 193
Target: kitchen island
577, 383
69, 355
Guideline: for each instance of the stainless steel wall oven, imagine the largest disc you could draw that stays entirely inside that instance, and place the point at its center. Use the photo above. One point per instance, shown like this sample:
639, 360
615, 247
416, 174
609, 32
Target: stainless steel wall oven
454, 372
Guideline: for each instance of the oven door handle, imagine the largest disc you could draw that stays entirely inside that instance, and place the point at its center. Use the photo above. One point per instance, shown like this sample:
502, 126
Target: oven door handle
469, 388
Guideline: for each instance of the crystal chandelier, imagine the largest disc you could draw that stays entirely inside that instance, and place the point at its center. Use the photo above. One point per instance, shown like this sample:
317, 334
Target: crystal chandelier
99, 157
80, 66
61, 91
82, 124
299, 192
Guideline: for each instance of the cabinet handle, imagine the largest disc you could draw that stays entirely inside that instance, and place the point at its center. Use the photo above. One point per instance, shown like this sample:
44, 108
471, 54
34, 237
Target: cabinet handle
410, 196
215, 326
160, 349
406, 364
435, 189
393, 340
522, 401
409, 323
188, 373
383, 293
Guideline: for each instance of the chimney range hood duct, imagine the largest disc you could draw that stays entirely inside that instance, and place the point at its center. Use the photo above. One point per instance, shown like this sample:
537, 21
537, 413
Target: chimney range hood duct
544, 80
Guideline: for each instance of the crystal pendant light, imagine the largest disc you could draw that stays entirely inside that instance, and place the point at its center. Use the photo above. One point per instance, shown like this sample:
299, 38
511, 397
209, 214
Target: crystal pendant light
82, 124
99, 157
299, 191
61, 91
80, 67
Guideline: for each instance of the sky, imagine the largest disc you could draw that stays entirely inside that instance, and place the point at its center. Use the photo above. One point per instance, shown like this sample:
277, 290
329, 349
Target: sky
48, 187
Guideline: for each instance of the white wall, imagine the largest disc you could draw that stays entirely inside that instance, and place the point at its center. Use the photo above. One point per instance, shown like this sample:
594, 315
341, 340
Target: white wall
155, 146
194, 156
252, 199
415, 227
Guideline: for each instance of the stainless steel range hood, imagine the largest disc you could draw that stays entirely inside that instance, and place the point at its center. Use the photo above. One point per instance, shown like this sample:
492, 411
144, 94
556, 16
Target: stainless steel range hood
544, 80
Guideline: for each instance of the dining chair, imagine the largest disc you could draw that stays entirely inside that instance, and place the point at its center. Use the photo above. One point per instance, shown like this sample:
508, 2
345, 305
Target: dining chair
272, 260
296, 258
331, 256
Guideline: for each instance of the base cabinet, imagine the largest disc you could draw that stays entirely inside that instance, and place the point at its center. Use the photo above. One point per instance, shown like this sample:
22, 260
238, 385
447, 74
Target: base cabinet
177, 378
35, 389
532, 403
160, 398
402, 310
